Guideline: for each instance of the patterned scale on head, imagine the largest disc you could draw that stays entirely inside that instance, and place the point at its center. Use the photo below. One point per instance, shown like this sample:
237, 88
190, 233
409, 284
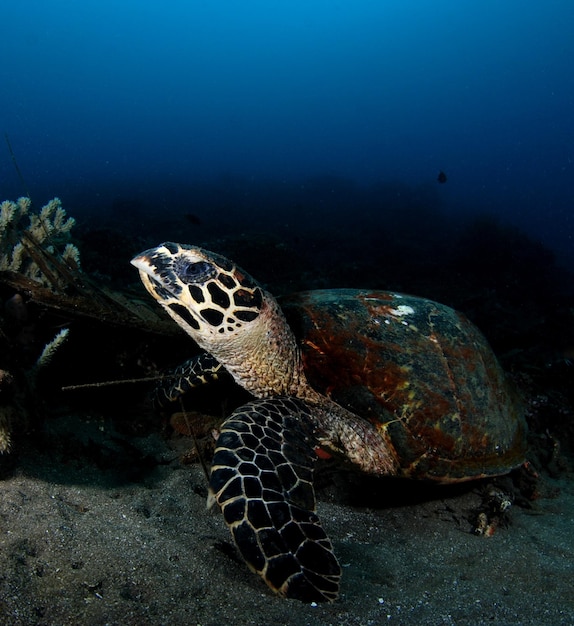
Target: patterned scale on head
207, 295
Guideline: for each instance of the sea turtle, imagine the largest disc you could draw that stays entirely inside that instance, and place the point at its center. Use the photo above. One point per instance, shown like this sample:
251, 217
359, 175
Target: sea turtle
396, 385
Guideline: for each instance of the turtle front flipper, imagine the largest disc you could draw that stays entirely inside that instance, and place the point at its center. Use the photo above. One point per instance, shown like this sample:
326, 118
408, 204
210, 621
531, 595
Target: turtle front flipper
262, 477
201, 369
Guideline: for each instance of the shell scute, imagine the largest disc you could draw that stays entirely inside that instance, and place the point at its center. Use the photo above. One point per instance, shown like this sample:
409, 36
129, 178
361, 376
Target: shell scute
418, 370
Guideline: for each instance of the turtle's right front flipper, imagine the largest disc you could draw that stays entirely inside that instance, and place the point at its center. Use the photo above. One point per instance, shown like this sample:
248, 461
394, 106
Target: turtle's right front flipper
201, 369
262, 477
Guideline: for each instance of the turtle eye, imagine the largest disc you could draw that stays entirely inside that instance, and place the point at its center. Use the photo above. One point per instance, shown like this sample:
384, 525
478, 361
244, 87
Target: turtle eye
193, 273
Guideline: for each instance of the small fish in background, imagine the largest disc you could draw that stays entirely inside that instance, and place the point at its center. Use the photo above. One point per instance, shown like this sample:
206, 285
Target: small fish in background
441, 178
193, 219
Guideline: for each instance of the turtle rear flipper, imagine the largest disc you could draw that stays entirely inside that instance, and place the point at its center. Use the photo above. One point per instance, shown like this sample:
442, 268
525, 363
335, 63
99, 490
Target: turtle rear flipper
262, 477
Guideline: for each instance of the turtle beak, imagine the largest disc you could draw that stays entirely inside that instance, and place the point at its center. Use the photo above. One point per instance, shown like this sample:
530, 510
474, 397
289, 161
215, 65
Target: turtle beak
143, 262
156, 262
154, 265
147, 268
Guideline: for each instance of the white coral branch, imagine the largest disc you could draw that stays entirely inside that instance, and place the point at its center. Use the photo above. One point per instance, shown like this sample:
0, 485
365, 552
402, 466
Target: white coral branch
51, 348
71, 256
7, 212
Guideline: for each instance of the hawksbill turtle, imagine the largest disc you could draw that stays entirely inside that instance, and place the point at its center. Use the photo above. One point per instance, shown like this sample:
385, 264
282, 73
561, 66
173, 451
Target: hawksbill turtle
394, 384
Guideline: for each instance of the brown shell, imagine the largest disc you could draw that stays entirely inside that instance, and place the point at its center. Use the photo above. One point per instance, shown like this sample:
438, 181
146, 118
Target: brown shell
416, 369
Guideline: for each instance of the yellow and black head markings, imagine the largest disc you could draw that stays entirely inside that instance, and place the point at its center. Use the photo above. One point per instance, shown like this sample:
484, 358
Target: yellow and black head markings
204, 293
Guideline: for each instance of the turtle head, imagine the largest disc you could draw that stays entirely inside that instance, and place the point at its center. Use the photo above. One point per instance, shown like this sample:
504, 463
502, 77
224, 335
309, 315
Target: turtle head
206, 294
227, 313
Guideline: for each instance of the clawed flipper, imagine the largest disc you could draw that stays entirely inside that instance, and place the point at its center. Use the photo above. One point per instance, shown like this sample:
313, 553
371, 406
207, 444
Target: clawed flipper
199, 370
262, 478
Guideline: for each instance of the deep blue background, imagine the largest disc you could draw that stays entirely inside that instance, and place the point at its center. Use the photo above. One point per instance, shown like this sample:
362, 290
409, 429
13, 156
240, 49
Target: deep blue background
119, 97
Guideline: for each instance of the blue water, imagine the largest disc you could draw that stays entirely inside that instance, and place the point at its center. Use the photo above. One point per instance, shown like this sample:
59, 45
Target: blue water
106, 98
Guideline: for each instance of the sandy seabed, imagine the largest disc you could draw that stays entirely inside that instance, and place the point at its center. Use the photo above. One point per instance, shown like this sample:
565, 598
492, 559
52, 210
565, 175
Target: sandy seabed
82, 544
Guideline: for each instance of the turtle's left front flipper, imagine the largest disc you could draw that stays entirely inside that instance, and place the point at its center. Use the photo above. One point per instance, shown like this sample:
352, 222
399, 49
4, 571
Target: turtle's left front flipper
262, 477
201, 369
